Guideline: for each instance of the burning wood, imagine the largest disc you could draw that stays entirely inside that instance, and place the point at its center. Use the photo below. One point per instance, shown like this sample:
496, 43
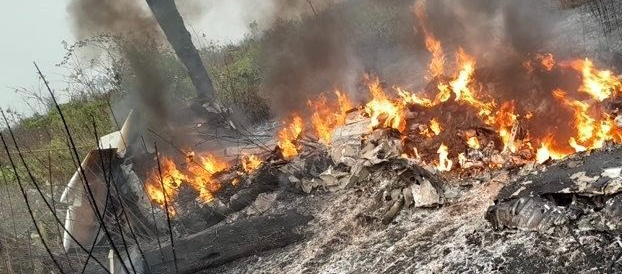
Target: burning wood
250, 162
199, 173
288, 135
399, 146
325, 118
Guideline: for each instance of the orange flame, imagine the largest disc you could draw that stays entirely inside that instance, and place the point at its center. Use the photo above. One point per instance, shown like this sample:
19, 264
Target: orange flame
325, 118
460, 86
172, 178
202, 173
382, 110
437, 64
473, 143
444, 164
504, 120
593, 127
600, 84
435, 126
288, 135
413, 99
545, 151
199, 176
250, 162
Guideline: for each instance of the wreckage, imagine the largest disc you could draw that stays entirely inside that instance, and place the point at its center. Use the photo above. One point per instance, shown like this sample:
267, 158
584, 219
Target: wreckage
582, 190
410, 153
554, 152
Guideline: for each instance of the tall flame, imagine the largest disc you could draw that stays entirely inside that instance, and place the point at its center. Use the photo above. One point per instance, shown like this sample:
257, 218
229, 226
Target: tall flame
593, 127
600, 84
383, 111
171, 178
460, 86
444, 163
590, 126
504, 120
435, 126
327, 117
437, 64
287, 137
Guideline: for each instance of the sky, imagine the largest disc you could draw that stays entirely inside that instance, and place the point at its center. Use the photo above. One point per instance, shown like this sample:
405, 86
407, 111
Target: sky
33, 30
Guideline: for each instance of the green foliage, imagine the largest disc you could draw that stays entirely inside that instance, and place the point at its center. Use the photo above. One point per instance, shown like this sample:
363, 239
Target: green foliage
237, 77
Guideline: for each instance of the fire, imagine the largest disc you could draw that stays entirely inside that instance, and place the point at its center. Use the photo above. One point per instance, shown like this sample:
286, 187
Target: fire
325, 117
198, 174
383, 111
505, 120
437, 64
590, 126
413, 99
435, 126
546, 60
250, 162
288, 135
444, 163
473, 143
344, 103
593, 127
171, 178
599, 84
460, 86
202, 172
545, 151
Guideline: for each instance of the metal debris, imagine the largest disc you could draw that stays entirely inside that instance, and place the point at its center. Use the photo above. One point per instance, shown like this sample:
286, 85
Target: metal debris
584, 191
529, 213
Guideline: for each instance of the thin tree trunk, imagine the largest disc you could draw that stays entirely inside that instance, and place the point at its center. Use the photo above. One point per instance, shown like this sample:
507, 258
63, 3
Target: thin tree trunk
172, 24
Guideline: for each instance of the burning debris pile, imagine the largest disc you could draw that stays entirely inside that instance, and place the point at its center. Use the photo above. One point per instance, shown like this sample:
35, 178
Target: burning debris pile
405, 149
460, 128
412, 149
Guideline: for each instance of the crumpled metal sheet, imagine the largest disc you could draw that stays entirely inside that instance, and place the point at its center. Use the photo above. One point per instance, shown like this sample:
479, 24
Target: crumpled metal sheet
528, 213
374, 157
346, 151
597, 173
585, 188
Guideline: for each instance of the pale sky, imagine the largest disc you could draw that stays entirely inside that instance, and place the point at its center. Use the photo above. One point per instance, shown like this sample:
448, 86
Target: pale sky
33, 30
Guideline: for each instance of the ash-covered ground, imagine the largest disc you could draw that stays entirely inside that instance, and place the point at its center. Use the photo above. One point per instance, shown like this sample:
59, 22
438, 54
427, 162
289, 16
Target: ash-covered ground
346, 237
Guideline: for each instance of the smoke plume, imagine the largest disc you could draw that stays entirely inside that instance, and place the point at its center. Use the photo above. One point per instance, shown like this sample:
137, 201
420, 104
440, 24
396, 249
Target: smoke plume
346, 40
313, 47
